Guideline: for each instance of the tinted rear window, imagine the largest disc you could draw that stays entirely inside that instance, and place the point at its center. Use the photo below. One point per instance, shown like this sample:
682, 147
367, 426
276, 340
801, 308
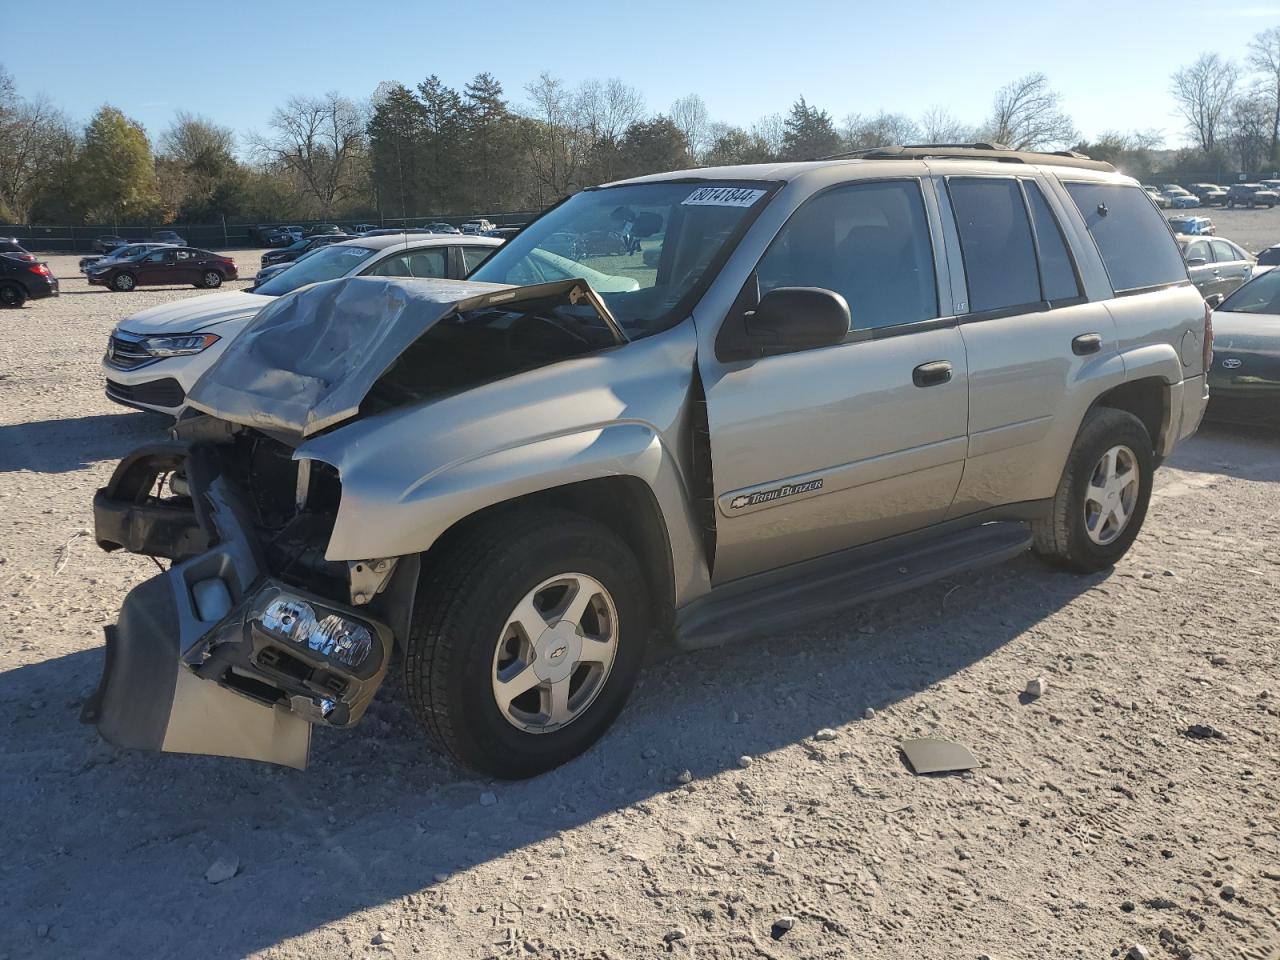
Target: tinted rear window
1132, 237
1057, 273
1269, 257
995, 240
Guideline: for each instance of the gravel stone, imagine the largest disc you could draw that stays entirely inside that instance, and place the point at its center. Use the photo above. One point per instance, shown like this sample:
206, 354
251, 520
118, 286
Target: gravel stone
222, 869
1037, 686
744, 761
488, 798
825, 735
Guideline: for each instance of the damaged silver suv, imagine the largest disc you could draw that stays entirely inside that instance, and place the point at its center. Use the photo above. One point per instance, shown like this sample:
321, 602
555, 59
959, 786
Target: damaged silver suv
803, 385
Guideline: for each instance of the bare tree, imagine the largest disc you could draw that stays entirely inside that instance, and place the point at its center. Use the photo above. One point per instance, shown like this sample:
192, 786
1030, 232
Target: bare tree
690, 116
1248, 128
321, 140
937, 125
768, 131
605, 110
1204, 92
1264, 58
552, 140
882, 130
36, 139
1027, 115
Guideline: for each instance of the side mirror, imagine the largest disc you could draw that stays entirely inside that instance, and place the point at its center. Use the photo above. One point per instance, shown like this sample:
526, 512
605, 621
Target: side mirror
786, 320
1197, 262
1214, 300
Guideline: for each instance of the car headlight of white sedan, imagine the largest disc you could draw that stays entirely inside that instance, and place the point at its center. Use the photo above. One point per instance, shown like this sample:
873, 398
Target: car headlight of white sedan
177, 345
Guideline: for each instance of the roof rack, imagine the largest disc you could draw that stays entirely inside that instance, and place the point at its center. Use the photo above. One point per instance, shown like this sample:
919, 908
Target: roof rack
974, 151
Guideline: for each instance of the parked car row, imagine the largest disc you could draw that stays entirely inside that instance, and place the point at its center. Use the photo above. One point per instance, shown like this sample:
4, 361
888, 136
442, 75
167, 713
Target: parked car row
1265, 193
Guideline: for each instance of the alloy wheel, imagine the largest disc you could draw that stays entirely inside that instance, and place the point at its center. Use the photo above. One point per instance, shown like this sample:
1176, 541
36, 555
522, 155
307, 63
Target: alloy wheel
1111, 496
555, 652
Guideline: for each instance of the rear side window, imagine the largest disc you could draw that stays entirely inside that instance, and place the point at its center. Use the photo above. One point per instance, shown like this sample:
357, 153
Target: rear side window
1132, 237
472, 257
995, 240
1057, 273
867, 241
1224, 252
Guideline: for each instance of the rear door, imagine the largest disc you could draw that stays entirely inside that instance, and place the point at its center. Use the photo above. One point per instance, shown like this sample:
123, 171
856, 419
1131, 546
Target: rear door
187, 265
1231, 266
824, 449
1028, 330
470, 257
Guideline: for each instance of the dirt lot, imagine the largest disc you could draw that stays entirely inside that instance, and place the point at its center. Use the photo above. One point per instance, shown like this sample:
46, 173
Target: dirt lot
1095, 822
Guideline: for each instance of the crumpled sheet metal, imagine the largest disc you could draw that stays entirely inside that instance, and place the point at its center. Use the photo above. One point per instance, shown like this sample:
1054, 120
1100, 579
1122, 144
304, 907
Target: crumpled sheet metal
308, 359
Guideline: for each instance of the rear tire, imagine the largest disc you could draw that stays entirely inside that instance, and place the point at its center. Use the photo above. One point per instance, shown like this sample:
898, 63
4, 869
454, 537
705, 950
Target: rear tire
211, 280
123, 282
466, 640
1084, 532
12, 295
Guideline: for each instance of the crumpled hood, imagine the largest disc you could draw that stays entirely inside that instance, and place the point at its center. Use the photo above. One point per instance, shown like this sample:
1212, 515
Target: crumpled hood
195, 313
307, 361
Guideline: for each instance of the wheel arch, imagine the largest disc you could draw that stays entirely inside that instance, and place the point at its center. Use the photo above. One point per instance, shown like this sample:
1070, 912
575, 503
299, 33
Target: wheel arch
1147, 398
626, 505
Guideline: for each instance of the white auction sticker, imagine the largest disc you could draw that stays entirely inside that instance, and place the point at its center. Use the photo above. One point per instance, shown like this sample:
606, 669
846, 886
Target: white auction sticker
722, 197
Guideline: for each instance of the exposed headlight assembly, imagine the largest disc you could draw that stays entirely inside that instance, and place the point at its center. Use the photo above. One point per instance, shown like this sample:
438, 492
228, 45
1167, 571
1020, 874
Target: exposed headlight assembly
339, 638
178, 345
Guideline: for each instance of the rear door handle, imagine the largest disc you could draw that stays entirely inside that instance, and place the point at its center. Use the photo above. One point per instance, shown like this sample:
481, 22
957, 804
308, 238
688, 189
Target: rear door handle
1086, 344
931, 374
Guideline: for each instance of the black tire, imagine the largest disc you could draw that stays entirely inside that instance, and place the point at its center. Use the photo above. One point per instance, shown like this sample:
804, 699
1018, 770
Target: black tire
123, 282
211, 280
1062, 538
463, 604
12, 295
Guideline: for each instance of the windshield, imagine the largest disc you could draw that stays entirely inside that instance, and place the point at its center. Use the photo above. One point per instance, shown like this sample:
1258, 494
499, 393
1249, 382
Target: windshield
325, 263
643, 247
1259, 295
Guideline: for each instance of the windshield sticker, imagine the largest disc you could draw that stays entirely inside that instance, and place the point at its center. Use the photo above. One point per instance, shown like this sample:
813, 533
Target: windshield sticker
765, 496
722, 197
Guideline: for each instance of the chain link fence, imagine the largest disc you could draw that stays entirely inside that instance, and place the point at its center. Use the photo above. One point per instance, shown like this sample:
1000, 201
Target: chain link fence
42, 238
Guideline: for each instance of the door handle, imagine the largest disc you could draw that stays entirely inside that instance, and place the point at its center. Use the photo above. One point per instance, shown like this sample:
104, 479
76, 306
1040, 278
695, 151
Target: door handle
931, 374
1086, 344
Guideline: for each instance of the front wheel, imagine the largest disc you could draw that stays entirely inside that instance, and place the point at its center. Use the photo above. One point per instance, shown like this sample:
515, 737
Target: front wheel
1103, 495
123, 282
211, 280
527, 638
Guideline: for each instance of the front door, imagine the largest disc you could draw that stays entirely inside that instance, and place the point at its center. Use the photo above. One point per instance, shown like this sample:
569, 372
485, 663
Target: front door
824, 449
157, 268
1200, 266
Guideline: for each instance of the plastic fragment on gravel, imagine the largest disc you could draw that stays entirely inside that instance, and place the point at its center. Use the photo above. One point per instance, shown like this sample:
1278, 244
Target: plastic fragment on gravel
937, 756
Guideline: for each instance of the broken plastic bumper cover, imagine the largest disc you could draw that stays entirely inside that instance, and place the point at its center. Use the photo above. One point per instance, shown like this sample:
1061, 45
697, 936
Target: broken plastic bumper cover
200, 660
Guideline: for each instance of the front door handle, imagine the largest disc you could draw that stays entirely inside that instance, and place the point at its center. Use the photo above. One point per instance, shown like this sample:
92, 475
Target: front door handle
1086, 344
931, 374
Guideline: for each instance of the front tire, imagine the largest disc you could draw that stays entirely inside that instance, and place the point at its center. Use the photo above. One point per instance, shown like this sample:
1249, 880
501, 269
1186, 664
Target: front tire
528, 635
1102, 497
211, 280
12, 295
123, 282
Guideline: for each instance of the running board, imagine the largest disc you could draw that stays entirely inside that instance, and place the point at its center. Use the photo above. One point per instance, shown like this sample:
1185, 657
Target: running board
776, 601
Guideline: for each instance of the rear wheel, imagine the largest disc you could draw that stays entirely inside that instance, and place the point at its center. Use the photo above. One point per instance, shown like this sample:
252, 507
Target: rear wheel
1103, 495
12, 295
527, 638
211, 280
124, 282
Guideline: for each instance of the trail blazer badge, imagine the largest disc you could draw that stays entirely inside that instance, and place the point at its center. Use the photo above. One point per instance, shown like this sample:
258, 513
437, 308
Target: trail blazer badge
777, 493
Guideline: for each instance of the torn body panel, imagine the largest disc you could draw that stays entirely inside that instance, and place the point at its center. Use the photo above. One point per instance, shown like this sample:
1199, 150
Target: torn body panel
197, 663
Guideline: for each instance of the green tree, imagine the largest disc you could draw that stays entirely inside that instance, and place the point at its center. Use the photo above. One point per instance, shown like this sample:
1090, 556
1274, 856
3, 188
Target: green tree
115, 174
808, 133
396, 131
653, 146
199, 175
736, 145
493, 146
443, 128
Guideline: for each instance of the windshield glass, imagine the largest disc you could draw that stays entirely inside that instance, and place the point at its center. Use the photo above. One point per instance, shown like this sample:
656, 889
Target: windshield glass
326, 263
1260, 295
643, 247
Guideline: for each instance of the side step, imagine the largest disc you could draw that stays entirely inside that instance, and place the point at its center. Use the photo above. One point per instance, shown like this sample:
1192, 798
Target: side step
775, 601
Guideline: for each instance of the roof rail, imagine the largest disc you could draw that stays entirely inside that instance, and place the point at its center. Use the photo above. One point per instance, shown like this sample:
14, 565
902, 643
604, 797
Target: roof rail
973, 151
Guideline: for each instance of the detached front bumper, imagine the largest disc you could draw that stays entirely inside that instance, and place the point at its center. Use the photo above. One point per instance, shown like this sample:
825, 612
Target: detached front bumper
194, 665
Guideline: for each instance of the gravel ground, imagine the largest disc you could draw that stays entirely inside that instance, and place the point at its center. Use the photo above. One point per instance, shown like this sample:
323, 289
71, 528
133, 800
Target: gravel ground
1094, 823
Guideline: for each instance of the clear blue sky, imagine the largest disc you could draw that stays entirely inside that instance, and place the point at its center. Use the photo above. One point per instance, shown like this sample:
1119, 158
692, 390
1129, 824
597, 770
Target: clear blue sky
234, 61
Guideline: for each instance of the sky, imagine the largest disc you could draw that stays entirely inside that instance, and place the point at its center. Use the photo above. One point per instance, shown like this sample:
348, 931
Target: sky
235, 61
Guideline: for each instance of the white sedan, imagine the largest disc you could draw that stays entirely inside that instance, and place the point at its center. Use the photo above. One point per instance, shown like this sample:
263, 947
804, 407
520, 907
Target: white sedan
155, 356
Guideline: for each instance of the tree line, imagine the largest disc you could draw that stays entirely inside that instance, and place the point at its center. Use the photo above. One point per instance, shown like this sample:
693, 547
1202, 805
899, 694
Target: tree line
432, 150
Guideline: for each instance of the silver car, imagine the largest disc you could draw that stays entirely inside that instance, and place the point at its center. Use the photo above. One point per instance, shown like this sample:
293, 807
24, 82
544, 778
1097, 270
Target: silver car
812, 384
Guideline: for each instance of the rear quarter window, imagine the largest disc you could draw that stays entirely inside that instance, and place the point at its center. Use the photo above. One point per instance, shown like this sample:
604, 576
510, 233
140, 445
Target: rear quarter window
1131, 235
